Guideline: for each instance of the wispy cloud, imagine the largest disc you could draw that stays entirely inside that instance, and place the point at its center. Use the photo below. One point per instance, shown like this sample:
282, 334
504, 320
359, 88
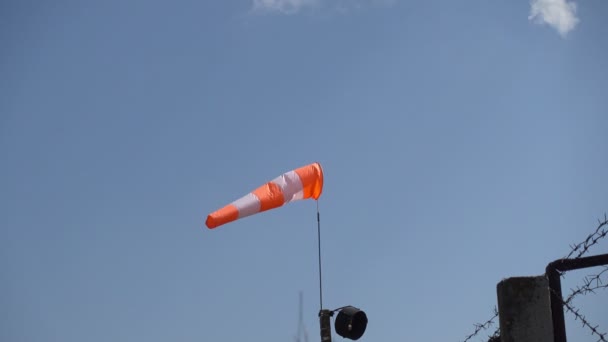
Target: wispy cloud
294, 6
559, 14
283, 6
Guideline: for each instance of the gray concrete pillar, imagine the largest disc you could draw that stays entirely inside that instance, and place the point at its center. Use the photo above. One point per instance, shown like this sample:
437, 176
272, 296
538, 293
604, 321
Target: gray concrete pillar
524, 309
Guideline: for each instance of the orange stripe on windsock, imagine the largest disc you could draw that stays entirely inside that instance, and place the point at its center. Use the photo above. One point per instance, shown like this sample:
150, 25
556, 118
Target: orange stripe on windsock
286, 188
270, 196
312, 180
227, 214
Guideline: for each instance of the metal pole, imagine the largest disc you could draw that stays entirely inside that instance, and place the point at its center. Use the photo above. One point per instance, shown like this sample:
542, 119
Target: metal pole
324, 320
557, 309
319, 249
575, 264
553, 274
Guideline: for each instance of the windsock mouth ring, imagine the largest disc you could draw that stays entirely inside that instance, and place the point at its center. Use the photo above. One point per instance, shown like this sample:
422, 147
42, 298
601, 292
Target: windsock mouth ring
318, 189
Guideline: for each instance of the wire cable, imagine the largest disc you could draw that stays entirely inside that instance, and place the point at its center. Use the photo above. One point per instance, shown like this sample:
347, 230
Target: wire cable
319, 240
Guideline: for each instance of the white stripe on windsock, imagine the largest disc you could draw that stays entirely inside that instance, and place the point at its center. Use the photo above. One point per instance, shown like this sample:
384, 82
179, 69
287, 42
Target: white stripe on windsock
291, 186
247, 205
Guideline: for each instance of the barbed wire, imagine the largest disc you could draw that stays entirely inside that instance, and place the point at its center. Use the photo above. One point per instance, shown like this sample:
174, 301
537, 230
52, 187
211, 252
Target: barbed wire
591, 284
482, 326
578, 316
583, 247
495, 337
582, 318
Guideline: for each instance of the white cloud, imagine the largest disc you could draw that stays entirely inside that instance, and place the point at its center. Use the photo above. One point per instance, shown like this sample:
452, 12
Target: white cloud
559, 14
283, 6
294, 6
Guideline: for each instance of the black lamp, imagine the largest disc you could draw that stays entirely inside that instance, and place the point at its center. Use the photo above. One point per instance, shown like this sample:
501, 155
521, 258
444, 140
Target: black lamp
350, 322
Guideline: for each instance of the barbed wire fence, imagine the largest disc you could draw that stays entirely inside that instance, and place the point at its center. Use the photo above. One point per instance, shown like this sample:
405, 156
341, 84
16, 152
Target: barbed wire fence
591, 284
483, 326
585, 322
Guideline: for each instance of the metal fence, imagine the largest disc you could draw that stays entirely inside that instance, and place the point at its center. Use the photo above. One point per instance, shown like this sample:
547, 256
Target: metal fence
575, 259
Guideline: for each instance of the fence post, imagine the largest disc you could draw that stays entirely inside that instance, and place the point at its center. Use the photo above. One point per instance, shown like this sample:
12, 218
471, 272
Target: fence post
524, 309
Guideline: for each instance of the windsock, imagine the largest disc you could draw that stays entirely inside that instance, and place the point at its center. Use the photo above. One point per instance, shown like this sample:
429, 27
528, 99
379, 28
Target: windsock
302, 183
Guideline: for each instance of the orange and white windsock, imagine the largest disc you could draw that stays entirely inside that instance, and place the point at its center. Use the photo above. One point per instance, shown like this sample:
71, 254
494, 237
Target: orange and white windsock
302, 183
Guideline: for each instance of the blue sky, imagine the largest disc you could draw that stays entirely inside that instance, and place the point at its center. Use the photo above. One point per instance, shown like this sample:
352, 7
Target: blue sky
462, 143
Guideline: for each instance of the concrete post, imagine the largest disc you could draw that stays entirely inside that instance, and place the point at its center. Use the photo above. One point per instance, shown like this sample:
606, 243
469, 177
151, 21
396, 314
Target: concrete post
524, 309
